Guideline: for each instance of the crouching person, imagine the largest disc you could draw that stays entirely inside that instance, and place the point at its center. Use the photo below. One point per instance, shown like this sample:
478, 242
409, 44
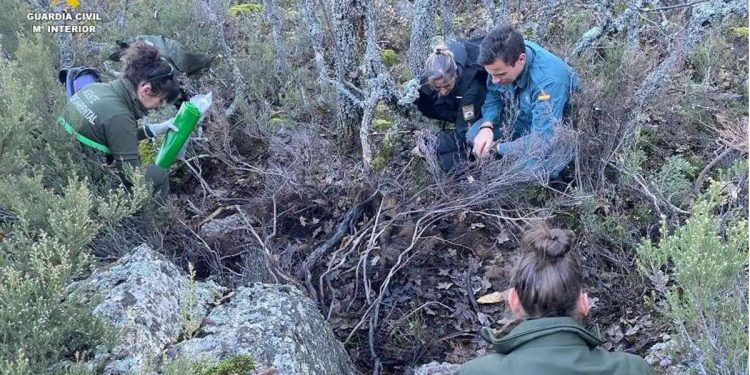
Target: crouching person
528, 90
548, 292
103, 116
453, 90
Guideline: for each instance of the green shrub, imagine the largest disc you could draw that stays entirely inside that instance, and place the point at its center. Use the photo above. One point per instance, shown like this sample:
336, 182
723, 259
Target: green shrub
674, 180
37, 260
239, 9
181, 20
189, 309
240, 364
235, 365
389, 57
51, 214
700, 272
12, 21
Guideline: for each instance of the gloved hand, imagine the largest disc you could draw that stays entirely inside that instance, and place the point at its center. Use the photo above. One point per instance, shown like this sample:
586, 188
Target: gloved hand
160, 128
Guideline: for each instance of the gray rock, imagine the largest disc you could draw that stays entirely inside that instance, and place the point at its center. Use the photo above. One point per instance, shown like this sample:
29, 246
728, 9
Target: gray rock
661, 355
151, 302
277, 326
140, 294
434, 368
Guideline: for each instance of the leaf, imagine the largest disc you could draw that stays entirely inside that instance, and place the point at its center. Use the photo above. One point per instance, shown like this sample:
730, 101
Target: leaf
444, 285
495, 297
502, 238
476, 226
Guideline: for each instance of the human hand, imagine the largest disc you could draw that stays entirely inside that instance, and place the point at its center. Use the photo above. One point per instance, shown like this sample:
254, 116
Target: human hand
162, 127
483, 143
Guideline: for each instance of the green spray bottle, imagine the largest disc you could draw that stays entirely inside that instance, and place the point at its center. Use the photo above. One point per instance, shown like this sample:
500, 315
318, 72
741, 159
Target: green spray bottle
187, 118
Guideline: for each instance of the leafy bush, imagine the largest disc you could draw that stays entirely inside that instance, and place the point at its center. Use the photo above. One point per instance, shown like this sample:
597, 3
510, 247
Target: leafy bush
235, 365
674, 180
240, 364
50, 215
701, 272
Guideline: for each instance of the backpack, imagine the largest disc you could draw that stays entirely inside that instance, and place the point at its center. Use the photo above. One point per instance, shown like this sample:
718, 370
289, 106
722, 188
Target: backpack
77, 77
171, 50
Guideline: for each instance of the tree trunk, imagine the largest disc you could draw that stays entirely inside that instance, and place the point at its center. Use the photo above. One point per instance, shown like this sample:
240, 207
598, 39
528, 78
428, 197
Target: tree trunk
343, 14
422, 29
447, 18
272, 15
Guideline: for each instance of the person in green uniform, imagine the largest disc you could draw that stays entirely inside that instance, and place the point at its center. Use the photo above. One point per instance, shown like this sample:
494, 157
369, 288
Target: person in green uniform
104, 116
547, 290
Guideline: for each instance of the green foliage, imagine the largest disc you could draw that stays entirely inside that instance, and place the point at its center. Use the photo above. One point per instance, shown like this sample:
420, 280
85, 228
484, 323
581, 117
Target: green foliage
27, 101
599, 223
739, 32
389, 57
12, 22
567, 33
147, 152
235, 365
701, 270
674, 180
410, 329
183, 366
16, 366
56, 213
381, 124
38, 259
181, 20
240, 364
241, 9
610, 69
189, 313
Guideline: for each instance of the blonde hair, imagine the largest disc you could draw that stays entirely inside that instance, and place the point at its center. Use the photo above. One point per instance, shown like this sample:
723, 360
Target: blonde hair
441, 64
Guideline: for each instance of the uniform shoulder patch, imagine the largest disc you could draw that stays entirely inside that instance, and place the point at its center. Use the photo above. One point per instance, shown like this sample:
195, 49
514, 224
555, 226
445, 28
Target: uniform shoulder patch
543, 96
468, 111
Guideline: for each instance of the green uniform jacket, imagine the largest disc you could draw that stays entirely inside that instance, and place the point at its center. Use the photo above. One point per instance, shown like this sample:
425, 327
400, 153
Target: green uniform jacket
107, 113
558, 346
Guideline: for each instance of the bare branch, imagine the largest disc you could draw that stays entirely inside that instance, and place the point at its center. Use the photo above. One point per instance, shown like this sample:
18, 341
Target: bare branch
237, 79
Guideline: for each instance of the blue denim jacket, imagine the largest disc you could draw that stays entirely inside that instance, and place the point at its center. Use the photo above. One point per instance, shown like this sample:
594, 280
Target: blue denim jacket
541, 91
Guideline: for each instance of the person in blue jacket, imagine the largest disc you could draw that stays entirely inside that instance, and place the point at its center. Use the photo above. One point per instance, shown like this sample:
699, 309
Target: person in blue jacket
528, 89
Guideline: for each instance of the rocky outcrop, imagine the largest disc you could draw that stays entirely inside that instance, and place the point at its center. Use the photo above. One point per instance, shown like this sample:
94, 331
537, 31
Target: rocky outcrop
141, 295
277, 326
435, 368
151, 302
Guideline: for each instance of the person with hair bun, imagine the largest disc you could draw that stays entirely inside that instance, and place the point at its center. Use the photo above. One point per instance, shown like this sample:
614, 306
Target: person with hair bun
548, 292
103, 116
453, 90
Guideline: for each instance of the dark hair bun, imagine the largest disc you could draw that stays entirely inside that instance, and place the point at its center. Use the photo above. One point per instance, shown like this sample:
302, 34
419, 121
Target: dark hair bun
546, 242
